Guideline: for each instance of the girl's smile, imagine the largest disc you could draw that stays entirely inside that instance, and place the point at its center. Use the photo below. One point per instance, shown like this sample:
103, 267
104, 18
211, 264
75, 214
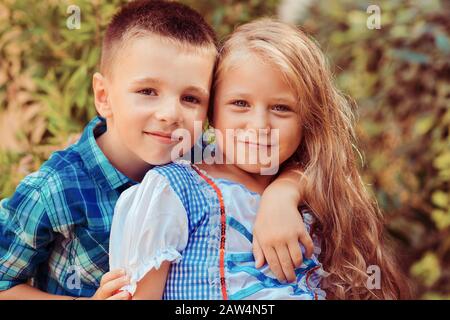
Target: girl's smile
262, 112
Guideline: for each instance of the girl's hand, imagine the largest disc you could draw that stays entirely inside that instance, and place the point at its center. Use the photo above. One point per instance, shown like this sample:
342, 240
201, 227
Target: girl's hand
110, 285
278, 229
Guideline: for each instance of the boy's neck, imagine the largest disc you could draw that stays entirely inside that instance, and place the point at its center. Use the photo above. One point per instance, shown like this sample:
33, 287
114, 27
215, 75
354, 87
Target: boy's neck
121, 157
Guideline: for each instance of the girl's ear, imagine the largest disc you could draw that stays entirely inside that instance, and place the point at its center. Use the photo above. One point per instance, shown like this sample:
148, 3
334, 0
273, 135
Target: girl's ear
101, 100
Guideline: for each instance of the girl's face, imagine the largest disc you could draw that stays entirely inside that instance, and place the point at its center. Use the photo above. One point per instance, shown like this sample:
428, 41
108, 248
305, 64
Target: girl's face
253, 99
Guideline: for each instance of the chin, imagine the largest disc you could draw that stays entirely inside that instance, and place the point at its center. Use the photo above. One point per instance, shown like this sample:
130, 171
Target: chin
251, 168
157, 160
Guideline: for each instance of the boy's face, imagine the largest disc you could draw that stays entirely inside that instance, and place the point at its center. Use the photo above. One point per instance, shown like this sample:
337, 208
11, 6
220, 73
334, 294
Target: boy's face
155, 87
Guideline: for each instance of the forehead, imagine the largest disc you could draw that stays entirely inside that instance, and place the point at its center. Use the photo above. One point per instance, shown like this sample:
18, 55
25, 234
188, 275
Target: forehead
155, 56
254, 73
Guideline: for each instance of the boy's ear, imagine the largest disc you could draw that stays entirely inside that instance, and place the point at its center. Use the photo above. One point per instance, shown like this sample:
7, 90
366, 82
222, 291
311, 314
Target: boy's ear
101, 100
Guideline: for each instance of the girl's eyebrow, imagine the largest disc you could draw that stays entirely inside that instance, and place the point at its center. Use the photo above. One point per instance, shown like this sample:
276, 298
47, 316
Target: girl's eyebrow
282, 99
237, 94
285, 100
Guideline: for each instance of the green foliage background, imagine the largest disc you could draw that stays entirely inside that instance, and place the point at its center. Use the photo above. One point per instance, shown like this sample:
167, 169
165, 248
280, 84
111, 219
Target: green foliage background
398, 75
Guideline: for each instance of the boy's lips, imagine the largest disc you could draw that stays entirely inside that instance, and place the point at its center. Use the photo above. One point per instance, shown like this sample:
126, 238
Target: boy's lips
164, 137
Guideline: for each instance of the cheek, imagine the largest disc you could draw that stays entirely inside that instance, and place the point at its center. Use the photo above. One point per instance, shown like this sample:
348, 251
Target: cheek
224, 118
290, 138
123, 107
133, 111
201, 114
120, 96
219, 123
193, 121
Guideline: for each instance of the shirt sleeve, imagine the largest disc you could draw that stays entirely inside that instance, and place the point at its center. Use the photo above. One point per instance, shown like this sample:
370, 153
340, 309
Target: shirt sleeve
150, 226
25, 236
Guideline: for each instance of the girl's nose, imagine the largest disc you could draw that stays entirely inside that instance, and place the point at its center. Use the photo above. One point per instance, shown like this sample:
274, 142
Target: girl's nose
259, 119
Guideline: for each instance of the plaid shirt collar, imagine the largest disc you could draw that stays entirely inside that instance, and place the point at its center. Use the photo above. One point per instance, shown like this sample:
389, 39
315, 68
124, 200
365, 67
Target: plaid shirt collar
95, 160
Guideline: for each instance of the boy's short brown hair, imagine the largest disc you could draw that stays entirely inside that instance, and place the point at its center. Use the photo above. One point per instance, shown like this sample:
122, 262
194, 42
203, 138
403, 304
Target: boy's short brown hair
172, 20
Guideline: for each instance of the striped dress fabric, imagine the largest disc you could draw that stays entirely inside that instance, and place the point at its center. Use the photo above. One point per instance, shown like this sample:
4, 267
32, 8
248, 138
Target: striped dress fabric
215, 261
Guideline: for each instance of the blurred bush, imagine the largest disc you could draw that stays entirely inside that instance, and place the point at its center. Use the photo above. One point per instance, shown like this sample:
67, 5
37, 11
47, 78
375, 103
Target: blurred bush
46, 69
398, 75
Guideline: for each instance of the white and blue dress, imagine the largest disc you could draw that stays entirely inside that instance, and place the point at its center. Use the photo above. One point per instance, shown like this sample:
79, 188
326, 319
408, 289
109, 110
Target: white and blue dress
203, 225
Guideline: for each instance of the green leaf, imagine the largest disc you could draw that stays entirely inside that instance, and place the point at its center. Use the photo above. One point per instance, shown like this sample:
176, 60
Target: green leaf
443, 43
441, 218
442, 161
427, 269
410, 56
424, 124
440, 199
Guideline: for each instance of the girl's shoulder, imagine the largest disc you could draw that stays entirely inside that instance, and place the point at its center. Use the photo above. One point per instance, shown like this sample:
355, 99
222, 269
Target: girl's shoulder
182, 179
179, 174
180, 168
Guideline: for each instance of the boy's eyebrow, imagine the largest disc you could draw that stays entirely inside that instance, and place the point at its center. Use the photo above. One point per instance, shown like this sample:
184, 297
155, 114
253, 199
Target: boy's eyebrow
147, 80
199, 90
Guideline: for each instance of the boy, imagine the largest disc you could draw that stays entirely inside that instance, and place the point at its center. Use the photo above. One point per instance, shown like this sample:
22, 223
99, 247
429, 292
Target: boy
156, 71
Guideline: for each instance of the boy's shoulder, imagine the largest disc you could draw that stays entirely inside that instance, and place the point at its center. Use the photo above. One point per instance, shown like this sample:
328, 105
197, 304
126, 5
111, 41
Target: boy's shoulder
61, 168
69, 166
47, 192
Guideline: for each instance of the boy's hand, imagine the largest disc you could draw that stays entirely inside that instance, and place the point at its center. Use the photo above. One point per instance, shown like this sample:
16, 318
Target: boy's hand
110, 285
278, 229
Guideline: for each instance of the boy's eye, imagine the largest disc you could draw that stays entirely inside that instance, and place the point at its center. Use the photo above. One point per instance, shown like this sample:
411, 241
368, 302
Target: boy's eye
281, 108
240, 103
147, 92
191, 99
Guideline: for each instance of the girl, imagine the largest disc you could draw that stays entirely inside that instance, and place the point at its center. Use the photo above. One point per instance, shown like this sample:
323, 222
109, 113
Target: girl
186, 231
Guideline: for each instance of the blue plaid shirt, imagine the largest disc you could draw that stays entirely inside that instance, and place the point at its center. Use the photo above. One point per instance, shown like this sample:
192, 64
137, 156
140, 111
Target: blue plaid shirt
55, 228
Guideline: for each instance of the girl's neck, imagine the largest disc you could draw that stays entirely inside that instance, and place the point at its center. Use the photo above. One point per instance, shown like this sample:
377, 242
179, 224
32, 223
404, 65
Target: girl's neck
252, 181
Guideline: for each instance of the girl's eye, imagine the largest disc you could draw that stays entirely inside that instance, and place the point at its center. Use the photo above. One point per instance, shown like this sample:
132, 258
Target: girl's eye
240, 103
191, 99
281, 108
147, 92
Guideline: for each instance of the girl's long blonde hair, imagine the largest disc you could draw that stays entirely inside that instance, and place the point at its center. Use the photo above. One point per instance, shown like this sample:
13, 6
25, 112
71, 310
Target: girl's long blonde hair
349, 221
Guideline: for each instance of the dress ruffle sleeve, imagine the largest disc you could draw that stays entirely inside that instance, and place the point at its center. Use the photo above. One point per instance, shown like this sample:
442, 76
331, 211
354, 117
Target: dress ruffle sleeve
150, 226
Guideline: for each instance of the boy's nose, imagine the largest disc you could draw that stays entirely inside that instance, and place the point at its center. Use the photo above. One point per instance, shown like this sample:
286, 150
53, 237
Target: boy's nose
169, 112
